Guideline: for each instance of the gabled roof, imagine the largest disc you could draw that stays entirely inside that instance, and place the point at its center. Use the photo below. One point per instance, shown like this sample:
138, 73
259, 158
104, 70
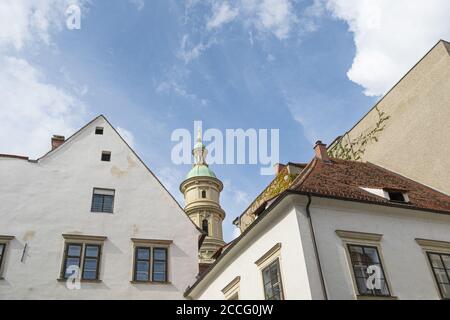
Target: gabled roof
345, 179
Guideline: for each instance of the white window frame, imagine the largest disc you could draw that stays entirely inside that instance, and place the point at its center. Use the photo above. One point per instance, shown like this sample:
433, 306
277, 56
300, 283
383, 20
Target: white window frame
364, 239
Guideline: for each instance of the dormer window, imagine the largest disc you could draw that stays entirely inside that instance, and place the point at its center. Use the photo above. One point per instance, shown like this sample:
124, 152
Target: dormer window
400, 196
99, 130
396, 196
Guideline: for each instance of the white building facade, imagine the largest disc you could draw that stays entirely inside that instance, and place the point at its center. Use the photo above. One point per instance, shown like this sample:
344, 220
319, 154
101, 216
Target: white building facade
328, 241
91, 210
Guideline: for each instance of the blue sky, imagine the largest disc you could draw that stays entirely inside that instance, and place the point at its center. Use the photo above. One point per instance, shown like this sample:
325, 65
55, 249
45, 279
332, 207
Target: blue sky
154, 66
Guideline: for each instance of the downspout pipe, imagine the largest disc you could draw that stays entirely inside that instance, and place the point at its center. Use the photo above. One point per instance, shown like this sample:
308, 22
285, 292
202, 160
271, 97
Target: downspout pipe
316, 251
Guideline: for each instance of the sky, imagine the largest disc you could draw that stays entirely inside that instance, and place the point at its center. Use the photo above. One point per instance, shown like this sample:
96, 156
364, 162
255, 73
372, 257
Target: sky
310, 68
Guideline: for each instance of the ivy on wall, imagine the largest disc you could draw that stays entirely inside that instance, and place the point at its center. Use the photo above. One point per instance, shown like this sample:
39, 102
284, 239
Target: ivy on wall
353, 149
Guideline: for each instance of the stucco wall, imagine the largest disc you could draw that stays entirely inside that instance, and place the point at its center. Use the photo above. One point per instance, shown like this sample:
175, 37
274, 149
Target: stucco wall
41, 201
405, 262
414, 139
281, 227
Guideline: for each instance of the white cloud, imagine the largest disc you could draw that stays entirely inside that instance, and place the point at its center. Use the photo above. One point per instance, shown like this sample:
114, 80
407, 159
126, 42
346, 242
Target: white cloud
32, 109
24, 22
275, 17
140, 4
222, 14
390, 37
126, 135
189, 52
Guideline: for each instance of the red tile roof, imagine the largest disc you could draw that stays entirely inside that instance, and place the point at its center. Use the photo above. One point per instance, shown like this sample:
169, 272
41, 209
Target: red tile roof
345, 178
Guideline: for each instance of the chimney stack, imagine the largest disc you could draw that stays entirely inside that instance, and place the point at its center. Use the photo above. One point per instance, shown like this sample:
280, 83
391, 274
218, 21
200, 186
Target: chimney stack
57, 141
321, 151
278, 167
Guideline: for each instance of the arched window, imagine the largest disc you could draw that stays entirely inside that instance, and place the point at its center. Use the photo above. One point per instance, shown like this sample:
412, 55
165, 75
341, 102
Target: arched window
203, 194
205, 226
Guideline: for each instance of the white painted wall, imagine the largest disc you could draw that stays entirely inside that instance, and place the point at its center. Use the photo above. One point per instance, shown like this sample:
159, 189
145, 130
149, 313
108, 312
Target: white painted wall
404, 260
281, 227
41, 201
405, 263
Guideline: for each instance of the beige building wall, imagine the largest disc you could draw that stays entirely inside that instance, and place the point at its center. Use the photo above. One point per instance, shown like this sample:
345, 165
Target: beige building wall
408, 131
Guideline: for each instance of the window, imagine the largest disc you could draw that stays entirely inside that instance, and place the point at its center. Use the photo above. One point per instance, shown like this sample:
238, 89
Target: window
368, 270
440, 263
106, 156
205, 226
99, 130
272, 281
150, 264
203, 194
2, 253
142, 264
103, 200
159, 264
396, 196
4, 240
86, 255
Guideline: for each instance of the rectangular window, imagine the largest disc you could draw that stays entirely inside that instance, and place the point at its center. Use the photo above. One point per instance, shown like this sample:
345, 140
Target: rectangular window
2, 253
72, 261
142, 264
150, 264
99, 130
103, 200
82, 254
273, 289
366, 263
159, 265
106, 156
440, 263
91, 262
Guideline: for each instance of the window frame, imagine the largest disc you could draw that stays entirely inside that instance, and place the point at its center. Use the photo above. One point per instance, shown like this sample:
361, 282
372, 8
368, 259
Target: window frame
280, 279
103, 195
83, 241
271, 256
159, 260
97, 258
151, 244
4, 241
231, 290
99, 131
106, 154
447, 271
434, 247
136, 260
365, 239
363, 246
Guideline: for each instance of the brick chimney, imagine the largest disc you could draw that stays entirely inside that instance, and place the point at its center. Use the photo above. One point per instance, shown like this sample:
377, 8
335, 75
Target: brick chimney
57, 141
278, 167
321, 151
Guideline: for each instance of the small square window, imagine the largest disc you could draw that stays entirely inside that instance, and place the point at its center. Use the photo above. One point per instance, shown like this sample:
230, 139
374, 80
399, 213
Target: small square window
103, 200
106, 156
99, 130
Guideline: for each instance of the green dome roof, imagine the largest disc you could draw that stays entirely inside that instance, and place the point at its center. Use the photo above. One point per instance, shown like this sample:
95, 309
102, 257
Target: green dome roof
200, 170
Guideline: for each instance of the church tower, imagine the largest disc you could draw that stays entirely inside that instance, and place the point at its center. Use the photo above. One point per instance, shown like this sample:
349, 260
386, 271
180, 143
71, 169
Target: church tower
201, 190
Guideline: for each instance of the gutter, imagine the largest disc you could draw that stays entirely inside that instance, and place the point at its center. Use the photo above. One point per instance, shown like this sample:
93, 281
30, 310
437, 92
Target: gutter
316, 251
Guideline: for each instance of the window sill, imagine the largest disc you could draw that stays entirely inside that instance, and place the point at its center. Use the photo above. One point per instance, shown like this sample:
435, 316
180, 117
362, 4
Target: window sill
368, 297
151, 282
81, 280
